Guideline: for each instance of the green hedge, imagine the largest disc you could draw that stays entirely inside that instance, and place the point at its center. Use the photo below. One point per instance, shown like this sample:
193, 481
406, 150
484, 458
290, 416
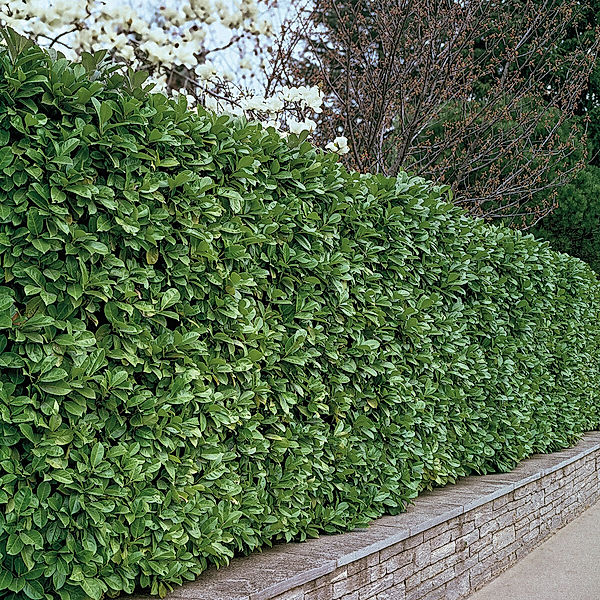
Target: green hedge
212, 338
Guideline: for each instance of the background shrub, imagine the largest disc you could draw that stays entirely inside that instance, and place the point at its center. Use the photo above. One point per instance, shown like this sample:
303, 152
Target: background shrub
213, 338
574, 226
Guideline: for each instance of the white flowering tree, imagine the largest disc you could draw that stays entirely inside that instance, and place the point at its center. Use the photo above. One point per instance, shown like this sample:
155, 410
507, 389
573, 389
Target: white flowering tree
215, 52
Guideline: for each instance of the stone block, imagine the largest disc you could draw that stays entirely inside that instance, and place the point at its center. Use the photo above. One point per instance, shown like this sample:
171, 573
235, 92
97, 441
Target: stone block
466, 565
483, 514
533, 506
413, 541
444, 577
501, 502
522, 492
508, 550
376, 572
423, 555
394, 563
459, 587
488, 528
350, 584
505, 520
465, 528
482, 547
402, 574
521, 530
310, 586
503, 563
442, 552
466, 541
324, 592
442, 531
570, 468
413, 581
557, 521
420, 592
532, 534
438, 593
394, 593
362, 564
402, 547
441, 571
481, 573
372, 589
503, 538
440, 540
392, 550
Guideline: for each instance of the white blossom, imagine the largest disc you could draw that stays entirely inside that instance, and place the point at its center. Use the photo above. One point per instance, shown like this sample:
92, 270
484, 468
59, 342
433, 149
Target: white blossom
171, 40
298, 127
339, 145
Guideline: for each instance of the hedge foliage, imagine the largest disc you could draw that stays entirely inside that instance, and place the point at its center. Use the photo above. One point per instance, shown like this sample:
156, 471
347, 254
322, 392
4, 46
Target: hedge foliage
212, 338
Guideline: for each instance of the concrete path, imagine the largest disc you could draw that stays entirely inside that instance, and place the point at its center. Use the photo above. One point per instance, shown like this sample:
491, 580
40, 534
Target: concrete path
564, 567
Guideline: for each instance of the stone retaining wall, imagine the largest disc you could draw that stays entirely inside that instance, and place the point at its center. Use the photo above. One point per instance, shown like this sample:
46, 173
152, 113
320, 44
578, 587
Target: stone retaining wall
451, 542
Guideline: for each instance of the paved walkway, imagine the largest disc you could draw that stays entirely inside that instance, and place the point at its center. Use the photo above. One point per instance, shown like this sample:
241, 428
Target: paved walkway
564, 567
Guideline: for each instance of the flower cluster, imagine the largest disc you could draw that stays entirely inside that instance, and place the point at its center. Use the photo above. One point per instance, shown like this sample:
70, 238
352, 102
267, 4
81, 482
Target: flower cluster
207, 50
307, 97
339, 145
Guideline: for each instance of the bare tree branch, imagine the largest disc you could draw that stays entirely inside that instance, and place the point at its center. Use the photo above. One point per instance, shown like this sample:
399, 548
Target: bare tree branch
479, 94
